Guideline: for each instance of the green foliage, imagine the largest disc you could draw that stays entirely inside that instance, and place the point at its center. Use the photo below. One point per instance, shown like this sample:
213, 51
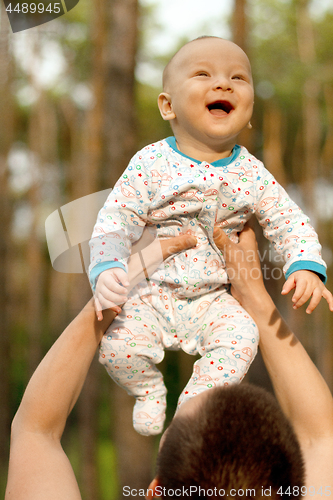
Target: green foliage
107, 468
324, 27
3, 481
274, 49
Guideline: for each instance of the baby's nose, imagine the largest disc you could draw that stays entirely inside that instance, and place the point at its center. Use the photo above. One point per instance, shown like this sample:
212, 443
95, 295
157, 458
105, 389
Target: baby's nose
223, 84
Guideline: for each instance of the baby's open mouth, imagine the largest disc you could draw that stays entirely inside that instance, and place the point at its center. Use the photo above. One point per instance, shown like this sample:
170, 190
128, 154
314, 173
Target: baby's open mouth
220, 108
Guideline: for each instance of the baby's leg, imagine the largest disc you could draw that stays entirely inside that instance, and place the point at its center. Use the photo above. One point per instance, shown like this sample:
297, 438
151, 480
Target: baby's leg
129, 351
228, 345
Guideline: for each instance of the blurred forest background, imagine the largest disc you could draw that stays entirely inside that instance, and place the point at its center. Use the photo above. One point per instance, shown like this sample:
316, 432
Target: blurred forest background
72, 113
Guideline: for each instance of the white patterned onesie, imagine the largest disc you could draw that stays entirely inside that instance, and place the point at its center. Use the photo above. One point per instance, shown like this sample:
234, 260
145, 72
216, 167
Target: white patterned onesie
185, 304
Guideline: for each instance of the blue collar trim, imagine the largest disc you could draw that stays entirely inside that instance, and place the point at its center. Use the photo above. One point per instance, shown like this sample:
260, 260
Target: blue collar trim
223, 162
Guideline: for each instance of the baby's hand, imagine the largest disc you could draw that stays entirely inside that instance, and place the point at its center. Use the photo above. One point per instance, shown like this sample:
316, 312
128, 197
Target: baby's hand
110, 290
307, 284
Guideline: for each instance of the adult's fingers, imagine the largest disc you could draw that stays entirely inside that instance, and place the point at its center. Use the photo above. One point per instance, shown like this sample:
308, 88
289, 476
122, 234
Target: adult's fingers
170, 246
221, 239
98, 309
247, 237
105, 303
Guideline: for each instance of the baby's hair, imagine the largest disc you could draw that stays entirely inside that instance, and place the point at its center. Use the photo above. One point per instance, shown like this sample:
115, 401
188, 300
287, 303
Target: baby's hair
205, 36
167, 67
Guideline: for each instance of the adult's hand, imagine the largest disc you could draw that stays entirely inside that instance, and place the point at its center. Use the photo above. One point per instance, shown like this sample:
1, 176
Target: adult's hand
143, 264
243, 265
176, 244
245, 275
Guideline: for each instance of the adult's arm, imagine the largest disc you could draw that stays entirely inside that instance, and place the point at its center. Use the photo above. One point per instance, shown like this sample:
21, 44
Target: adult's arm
38, 467
299, 387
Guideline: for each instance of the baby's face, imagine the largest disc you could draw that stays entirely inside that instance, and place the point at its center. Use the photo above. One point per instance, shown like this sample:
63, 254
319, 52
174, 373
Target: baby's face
210, 91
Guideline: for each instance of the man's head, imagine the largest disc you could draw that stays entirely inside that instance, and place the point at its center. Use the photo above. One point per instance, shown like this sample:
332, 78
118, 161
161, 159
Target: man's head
236, 439
208, 92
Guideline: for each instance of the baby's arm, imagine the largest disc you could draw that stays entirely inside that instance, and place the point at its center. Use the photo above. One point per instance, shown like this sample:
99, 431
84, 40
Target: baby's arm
307, 284
289, 230
110, 290
121, 220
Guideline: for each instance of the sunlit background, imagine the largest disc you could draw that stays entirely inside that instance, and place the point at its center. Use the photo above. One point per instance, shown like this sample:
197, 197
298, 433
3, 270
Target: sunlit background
77, 99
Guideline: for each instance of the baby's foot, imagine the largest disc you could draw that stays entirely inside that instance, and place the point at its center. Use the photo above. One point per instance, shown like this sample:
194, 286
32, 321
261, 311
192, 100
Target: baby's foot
189, 393
149, 414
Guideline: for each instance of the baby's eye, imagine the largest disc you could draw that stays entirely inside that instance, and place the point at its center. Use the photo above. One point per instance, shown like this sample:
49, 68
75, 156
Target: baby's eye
238, 77
202, 73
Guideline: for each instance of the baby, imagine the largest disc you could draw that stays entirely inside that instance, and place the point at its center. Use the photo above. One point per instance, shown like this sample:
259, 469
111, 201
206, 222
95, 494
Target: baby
191, 182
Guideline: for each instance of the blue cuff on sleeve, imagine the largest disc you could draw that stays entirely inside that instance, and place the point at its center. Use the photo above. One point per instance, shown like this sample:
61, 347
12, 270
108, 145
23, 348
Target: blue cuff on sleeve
103, 266
308, 265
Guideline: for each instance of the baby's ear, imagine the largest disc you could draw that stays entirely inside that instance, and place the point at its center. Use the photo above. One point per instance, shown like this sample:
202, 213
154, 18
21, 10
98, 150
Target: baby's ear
165, 106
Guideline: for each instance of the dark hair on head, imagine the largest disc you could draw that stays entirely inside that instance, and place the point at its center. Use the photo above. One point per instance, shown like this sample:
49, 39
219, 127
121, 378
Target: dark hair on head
238, 439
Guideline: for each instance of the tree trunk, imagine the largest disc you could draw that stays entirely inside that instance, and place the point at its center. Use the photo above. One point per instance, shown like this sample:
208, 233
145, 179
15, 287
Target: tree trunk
240, 35
240, 24
42, 132
134, 452
273, 145
119, 125
86, 177
312, 154
7, 130
311, 105
327, 153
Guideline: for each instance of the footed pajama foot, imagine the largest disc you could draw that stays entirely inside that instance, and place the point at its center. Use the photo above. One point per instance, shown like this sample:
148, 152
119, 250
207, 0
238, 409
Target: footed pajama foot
149, 414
